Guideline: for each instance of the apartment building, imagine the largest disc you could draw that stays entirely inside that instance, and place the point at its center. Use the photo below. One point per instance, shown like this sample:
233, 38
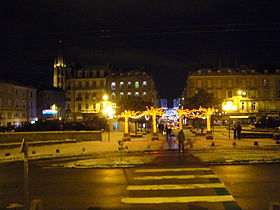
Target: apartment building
132, 83
254, 92
17, 104
84, 91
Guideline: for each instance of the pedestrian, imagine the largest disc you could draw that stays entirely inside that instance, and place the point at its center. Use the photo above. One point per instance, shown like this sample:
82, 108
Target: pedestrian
181, 141
238, 131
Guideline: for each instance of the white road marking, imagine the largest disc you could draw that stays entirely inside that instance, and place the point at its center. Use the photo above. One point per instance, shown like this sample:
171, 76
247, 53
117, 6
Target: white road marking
175, 177
181, 199
175, 186
170, 170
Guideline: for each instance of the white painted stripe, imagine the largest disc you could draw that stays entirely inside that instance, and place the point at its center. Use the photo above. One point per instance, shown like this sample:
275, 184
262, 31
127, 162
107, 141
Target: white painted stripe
175, 177
170, 169
182, 199
175, 186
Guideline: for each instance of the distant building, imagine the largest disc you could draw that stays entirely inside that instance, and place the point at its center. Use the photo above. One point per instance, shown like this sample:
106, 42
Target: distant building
17, 104
85, 90
163, 103
261, 90
176, 103
51, 104
132, 83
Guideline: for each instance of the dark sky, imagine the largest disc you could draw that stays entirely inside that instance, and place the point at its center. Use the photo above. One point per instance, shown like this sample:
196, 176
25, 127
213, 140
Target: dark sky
167, 37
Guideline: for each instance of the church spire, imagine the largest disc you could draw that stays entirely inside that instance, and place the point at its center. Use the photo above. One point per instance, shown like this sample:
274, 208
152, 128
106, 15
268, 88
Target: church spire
59, 69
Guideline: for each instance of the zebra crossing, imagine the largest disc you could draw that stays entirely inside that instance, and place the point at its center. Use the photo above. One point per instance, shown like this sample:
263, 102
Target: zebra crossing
158, 187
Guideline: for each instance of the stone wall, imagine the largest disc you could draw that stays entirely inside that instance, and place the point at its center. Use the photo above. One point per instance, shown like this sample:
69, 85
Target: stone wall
50, 135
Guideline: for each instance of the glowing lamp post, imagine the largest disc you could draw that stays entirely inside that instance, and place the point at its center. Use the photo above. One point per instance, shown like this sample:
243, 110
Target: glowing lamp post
228, 106
108, 112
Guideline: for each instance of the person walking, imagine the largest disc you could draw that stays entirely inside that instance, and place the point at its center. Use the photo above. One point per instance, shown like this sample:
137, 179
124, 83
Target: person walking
181, 141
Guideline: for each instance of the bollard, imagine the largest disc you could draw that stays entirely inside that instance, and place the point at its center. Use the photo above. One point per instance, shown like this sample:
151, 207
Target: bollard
191, 145
36, 205
256, 143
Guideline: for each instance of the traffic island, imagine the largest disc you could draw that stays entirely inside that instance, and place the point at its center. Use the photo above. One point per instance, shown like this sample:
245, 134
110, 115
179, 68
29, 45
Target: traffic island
209, 135
155, 136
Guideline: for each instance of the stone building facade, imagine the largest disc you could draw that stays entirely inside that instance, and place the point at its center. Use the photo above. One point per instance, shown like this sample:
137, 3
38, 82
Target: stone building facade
17, 104
132, 83
252, 92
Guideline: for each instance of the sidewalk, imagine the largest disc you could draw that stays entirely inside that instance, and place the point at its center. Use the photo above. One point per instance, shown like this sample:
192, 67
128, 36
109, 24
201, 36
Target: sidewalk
220, 150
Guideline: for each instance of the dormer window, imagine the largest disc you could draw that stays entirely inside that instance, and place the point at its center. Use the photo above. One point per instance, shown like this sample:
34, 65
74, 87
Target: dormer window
199, 72
265, 71
209, 72
229, 72
243, 72
277, 71
218, 72
253, 72
113, 86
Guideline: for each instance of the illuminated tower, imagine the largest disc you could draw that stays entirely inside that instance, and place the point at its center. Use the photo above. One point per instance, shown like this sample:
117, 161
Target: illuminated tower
59, 71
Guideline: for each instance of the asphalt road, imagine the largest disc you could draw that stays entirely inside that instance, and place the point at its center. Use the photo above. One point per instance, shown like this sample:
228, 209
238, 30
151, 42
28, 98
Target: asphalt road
252, 186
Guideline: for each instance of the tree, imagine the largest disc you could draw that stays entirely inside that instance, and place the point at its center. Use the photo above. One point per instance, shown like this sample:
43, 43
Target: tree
132, 103
202, 99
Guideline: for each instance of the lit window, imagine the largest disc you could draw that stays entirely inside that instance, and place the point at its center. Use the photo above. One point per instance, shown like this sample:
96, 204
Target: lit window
113, 86
121, 93
128, 93
253, 105
136, 85
121, 84
137, 93
242, 105
144, 83
144, 93
113, 96
129, 85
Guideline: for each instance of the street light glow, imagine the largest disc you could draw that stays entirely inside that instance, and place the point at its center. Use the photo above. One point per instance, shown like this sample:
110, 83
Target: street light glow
105, 97
229, 106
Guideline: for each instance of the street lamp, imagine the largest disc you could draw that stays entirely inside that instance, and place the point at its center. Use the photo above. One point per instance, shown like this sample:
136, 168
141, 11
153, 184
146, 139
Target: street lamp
108, 111
229, 107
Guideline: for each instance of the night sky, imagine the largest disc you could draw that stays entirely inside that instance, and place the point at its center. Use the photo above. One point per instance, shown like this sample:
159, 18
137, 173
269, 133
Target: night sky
167, 37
